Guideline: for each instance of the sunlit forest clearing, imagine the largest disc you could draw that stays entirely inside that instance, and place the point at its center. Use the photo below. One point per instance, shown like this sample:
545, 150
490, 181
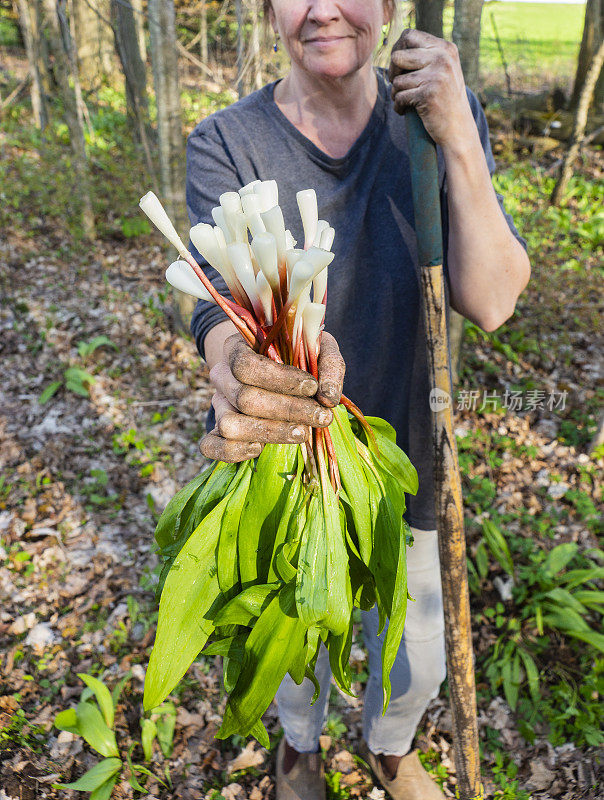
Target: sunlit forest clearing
103, 401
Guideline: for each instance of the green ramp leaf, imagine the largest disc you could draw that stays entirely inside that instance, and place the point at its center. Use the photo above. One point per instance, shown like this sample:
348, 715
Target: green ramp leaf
105, 790
247, 606
95, 777
227, 561
67, 721
271, 648
312, 583
148, 734
191, 592
103, 696
93, 728
263, 509
393, 458
353, 479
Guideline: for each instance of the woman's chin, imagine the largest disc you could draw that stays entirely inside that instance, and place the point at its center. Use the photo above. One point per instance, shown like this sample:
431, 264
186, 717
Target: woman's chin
330, 67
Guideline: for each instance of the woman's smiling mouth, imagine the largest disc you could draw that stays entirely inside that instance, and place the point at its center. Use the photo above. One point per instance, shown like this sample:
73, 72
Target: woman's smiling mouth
325, 40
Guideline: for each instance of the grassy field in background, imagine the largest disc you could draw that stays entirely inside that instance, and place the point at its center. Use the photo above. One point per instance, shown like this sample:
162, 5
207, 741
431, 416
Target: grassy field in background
540, 43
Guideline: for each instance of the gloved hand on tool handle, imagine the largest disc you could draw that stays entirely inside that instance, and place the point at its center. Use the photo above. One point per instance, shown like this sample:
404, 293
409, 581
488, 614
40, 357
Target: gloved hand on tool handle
426, 74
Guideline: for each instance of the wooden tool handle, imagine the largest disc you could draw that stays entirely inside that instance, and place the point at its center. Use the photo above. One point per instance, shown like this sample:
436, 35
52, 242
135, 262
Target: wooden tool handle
447, 479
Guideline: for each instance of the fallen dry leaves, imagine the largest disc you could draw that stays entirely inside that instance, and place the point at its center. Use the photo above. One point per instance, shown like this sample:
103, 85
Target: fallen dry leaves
82, 482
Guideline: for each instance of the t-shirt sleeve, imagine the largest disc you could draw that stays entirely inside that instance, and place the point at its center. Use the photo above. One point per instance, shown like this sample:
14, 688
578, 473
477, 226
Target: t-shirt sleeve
483, 131
209, 172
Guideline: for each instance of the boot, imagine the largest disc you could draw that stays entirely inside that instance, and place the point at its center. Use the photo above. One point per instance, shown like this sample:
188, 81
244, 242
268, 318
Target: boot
304, 781
411, 781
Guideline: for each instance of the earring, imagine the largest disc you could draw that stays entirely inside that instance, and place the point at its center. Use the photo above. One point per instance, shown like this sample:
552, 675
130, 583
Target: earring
276, 46
386, 32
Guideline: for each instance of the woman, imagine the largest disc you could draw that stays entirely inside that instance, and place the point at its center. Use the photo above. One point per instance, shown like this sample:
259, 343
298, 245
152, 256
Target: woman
332, 124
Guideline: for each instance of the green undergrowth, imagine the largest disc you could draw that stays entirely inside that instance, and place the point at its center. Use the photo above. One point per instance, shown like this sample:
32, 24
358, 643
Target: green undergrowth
37, 176
541, 648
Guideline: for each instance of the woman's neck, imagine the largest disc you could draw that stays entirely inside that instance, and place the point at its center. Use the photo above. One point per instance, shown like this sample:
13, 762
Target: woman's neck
331, 113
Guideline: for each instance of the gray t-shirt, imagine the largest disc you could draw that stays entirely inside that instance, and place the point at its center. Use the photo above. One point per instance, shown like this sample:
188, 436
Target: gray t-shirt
373, 295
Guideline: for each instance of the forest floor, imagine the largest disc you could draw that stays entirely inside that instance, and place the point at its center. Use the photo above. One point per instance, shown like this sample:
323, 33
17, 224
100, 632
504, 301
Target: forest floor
84, 474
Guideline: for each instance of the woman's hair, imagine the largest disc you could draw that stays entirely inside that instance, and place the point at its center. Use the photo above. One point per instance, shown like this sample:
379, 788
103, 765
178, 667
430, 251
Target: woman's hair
390, 5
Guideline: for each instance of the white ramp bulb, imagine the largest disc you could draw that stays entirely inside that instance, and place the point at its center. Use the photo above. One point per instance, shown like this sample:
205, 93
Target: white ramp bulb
230, 202
182, 276
265, 293
220, 220
150, 204
273, 222
239, 255
249, 188
265, 250
319, 258
268, 194
291, 259
322, 225
251, 208
319, 286
302, 274
307, 203
302, 301
312, 320
327, 238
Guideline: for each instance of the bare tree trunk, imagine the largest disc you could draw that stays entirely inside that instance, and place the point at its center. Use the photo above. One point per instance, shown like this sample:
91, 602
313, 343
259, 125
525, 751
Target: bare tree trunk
593, 33
576, 138
96, 62
164, 58
60, 47
28, 20
240, 46
44, 64
203, 32
429, 16
135, 76
254, 7
466, 35
71, 38
139, 21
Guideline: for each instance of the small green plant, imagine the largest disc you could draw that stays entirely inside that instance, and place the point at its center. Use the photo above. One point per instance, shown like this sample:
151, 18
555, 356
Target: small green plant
549, 598
134, 226
75, 379
335, 791
20, 732
432, 764
137, 451
504, 777
573, 707
86, 349
95, 489
334, 726
94, 722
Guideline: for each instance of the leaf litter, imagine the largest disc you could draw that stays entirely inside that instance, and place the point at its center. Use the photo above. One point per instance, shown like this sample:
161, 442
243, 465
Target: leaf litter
84, 478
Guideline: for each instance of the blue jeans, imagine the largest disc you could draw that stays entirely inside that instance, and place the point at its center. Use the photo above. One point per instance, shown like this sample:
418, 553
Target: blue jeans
416, 675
